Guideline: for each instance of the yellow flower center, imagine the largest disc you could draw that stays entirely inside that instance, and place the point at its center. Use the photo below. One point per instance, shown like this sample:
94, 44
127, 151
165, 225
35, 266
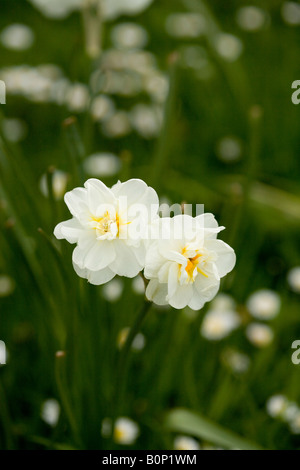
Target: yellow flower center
192, 268
118, 434
106, 226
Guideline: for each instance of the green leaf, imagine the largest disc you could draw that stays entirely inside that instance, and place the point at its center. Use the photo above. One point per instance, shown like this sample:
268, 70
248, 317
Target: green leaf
189, 422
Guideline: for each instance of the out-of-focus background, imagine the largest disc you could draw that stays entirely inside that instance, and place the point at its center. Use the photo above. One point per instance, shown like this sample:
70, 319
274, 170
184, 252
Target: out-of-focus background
194, 97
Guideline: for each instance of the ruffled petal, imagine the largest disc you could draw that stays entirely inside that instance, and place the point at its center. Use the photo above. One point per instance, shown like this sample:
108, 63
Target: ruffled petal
99, 196
226, 258
100, 255
95, 277
157, 292
125, 263
70, 230
182, 296
76, 201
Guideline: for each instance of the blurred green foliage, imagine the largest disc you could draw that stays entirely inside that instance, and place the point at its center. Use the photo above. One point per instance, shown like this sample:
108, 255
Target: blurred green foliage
256, 197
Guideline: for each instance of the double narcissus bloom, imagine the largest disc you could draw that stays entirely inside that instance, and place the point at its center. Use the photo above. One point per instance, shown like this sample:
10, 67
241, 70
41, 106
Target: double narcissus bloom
118, 232
109, 227
185, 263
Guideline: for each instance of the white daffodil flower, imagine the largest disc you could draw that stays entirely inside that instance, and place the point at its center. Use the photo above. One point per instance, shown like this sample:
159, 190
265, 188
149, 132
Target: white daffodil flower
109, 226
186, 261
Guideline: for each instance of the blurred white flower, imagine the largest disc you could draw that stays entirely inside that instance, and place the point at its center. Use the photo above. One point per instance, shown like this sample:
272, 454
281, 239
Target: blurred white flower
126, 431
141, 62
117, 125
138, 285
14, 129
50, 412
18, 37
293, 278
189, 25
259, 335
251, 18
276, 405
112, 291
194, 57
3, 354
102, 164
123, 81
109, 227
186, 443
218, 324
138, 342
290, 12
229, 47
129, 36
157, 85
102, 107
78, 98
57, 9
7, 285
59, 184
114, 8
295, 423
238, 362
290, 412
229, 149
186, 262
264, 304
146, 120
223, 302
59, 90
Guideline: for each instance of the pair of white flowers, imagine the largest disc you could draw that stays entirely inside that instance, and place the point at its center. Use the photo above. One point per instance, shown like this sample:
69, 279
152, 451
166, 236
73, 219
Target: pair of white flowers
118, 231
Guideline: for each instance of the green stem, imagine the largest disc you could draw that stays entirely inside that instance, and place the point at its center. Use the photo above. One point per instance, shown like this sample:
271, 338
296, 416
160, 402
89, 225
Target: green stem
64, 396
124, 361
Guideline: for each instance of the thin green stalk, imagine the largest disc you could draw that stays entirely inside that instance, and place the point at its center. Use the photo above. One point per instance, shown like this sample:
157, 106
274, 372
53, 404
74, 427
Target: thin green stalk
76, 148
124, 360
62, 387
93, 27
166, 136
124, 355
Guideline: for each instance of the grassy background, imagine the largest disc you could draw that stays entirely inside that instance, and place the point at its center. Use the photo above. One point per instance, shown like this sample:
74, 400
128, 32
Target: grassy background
257, 198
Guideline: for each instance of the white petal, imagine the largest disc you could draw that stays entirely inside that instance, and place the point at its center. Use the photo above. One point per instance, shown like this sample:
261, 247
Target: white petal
125, 263
151, 202
134, 190
76, 201
206, 287
182, 296
80, 252
173, 283
95, 277
210, 225
100, 277
140, 253
71, 230
204, 291
225, 256
98, 195
163, 273
154, 261
197, 302
100, 255
157, 292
